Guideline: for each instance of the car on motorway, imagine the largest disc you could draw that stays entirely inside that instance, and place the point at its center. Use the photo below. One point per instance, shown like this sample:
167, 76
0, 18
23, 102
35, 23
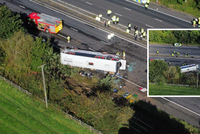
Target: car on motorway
177, 44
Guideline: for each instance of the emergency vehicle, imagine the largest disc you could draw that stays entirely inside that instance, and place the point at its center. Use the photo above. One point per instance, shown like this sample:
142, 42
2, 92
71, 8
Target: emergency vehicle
45, 22
189, 68
92, 60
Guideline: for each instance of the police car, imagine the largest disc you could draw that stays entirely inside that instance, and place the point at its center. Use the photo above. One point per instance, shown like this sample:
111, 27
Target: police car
177, 44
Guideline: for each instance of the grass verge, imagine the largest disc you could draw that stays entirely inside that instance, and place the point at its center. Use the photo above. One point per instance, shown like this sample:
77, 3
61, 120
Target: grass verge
26, 114
155, 89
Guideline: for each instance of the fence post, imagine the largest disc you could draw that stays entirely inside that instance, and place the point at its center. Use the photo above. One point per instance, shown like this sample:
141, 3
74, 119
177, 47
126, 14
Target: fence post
80, 122
90, 128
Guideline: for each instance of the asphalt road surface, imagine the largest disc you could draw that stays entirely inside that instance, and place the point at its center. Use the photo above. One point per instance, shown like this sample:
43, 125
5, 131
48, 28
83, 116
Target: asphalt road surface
131, 13
168, 49
177, 61
135, 54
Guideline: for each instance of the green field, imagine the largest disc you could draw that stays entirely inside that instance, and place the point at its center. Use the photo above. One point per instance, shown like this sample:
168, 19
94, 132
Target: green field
155, 89
24, 114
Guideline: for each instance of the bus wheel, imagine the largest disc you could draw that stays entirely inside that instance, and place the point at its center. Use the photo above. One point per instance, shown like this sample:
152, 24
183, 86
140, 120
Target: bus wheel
47, 30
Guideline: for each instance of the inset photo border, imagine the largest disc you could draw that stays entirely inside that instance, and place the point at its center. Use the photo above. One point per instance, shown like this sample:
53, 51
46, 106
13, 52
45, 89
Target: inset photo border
173, 62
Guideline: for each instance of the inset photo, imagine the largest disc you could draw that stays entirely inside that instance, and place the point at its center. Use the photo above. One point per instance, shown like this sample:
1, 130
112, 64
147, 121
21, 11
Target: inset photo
174, 63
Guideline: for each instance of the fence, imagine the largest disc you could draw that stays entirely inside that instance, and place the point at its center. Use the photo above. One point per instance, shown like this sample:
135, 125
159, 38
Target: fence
75, 119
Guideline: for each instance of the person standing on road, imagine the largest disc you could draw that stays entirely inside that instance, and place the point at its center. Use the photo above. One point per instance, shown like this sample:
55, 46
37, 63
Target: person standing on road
194, 23
68, 39
123, 56
136, 34
100, 16
129, 26
127, 31
146, 6
148, 1
141, 30
109, 12
117, 20
109, 23
157, 52
144, 34
105, 23
114, 19
135, 27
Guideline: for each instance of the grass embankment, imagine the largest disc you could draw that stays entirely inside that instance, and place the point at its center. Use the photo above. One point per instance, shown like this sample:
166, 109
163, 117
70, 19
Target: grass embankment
155, 89
189, 7
25, 114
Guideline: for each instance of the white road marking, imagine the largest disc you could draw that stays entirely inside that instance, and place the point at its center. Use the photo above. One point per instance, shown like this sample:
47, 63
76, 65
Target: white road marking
62, 36
118, 14
74, 29
91, 49
88, 3
127, 8
55, 10
148, 26
181, 106
21, 6
159, 11
158, 20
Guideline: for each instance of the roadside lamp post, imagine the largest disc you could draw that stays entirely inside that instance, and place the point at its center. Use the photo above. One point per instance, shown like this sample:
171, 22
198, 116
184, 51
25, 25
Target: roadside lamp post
45, 94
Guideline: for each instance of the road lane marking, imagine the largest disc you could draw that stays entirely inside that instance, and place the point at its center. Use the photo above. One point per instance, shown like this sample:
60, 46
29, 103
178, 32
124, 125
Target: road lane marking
127, 8
21, 6
118, 14
74, 29
88, 3
158, 20
159, 11
63, 13
62, 36
181, 106
148, 26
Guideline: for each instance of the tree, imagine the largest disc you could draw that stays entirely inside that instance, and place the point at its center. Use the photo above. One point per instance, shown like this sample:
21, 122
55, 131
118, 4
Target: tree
171, 74
9, 22
18, 53
156, 68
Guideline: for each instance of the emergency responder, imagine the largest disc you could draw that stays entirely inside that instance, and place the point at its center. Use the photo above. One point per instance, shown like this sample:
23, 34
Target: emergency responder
109, 12
148, 1
117, 53
196, 19
68, 39
157, 52
141, 30
129, 26
136, 34
109, 23
185, 55
100, 16
124, 55
199, 23
172, 54
146, 5
114, 19
144, 34
169, 63
194, 23
127, 31
117, 20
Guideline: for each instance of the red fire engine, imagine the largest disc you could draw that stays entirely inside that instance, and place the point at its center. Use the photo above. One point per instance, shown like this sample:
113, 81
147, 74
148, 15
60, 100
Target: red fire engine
45, 22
